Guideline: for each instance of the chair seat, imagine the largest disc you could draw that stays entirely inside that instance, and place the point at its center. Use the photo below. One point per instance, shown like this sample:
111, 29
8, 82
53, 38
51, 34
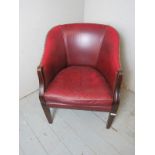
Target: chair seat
79, 85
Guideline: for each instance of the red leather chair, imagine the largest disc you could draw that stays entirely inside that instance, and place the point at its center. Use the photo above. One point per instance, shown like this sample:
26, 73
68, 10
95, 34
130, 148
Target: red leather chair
80, 69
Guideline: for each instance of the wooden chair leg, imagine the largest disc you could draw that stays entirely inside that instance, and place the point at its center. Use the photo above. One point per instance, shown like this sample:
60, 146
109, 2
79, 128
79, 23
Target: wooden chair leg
110, 120
47, 113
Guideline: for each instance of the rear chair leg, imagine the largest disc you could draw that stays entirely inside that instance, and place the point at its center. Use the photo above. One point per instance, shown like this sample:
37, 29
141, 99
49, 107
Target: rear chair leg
47, 113
110, 119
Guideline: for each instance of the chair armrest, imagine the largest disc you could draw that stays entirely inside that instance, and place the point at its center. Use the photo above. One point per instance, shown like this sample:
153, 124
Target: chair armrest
109, 57
41, 82
116, 95
111, 73
54, 57
118, 83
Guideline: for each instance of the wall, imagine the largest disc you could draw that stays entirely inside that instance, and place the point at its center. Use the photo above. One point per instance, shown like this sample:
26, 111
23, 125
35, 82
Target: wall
120, 14
36, 18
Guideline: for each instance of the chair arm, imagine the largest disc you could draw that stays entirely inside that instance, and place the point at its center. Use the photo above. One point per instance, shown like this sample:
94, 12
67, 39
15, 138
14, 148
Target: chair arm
118, 86
116, 95
41, 82
109, 57
54, 56
110, 73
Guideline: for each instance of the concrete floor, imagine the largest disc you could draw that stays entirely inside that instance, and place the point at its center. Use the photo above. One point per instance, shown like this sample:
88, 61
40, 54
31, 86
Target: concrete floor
76, 132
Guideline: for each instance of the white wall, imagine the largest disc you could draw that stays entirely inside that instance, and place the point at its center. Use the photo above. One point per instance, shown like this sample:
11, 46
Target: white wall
36, 18
120, 14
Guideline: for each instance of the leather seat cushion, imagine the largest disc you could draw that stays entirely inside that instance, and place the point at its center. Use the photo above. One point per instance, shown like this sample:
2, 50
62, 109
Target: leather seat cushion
79, 85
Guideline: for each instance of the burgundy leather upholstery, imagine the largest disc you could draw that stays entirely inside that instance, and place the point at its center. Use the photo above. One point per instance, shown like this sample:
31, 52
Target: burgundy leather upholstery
80, 65
54, 57
83, 43
79, 85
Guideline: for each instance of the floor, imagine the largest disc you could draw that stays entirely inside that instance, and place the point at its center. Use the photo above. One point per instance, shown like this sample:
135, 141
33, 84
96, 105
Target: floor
76, 132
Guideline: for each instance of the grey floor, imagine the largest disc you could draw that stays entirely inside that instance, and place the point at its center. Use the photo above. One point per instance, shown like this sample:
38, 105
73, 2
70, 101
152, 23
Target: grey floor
76, 132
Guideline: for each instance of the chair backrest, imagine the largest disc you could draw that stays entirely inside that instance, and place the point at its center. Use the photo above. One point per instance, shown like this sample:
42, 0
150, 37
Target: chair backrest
84, 43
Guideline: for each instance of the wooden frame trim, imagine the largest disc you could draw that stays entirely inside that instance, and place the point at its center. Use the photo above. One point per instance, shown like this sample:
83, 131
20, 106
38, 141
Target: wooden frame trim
116, 99
46, 109
112, 113
41, 83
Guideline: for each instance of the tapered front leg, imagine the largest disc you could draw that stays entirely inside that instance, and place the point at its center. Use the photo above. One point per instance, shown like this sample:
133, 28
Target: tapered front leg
47, 113
41, 93
110, 120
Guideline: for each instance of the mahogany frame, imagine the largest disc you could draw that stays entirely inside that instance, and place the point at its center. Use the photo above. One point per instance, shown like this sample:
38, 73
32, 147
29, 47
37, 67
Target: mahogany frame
116, 99
46, 107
